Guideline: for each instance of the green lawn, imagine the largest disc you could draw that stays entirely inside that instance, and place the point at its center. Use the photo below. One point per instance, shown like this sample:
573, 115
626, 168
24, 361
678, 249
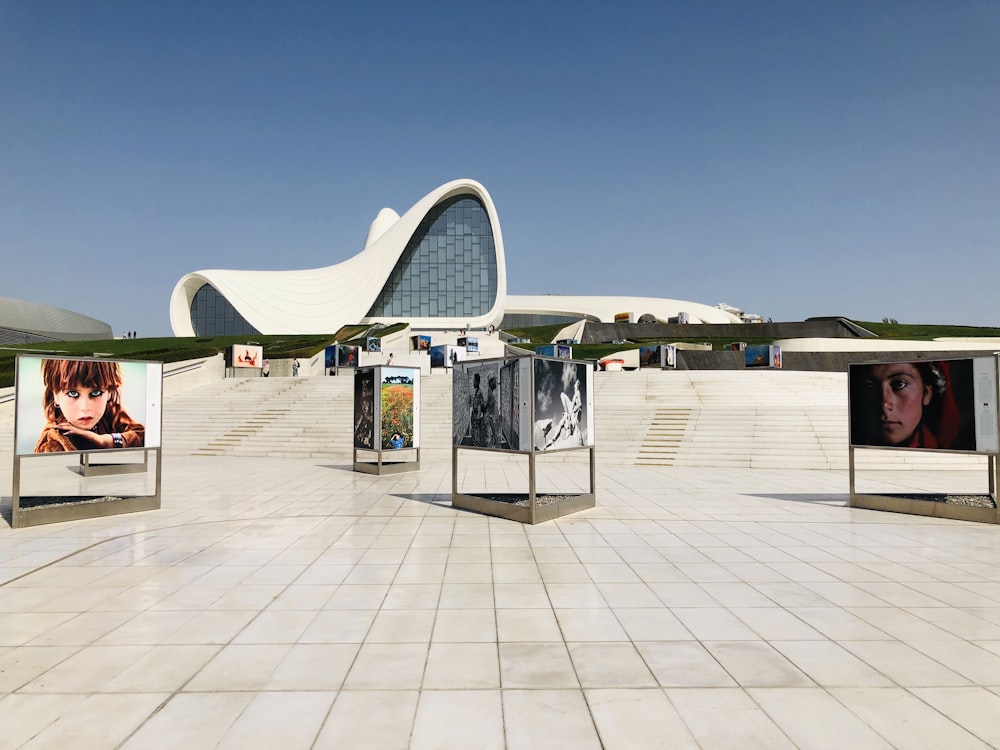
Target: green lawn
284, 346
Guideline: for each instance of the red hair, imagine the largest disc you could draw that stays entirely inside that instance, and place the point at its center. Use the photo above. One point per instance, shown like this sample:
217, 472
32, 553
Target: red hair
68, 374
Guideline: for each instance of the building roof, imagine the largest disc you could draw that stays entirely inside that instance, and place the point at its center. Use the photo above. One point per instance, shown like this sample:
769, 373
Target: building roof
23, 322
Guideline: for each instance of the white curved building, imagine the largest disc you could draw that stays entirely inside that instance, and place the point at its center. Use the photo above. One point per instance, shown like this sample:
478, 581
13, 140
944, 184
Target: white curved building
438, 266
603, 309
23, 322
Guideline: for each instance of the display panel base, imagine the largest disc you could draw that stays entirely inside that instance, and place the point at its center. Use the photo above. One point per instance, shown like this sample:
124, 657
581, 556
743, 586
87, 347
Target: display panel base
525, 507
964, 506
935, 505
36, 511
55, 497
380, 466
518, 507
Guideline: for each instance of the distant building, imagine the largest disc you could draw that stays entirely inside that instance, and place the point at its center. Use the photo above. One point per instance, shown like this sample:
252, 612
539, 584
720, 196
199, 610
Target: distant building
744, 317
23, 322
440, 265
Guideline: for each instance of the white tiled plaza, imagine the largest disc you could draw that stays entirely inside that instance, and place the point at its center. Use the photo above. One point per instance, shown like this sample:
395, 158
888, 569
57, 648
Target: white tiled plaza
290, 602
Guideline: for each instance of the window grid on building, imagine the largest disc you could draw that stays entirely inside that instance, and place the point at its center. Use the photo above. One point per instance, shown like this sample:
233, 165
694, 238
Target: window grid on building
213, 315
448, 268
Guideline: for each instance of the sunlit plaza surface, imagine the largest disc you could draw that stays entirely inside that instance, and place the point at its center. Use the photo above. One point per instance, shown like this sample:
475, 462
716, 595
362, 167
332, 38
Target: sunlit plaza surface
287, 603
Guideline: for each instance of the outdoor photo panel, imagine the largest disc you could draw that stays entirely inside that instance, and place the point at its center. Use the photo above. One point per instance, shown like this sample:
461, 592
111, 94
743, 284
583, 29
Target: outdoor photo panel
668, 355
945, 405
564, 406
365, 418
247, 355
762, 355
515, 395
400, 396
649, 356
347, 356
77, 404
475, 408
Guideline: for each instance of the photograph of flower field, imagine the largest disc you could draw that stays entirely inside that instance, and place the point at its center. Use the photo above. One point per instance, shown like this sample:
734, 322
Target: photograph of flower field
397, 407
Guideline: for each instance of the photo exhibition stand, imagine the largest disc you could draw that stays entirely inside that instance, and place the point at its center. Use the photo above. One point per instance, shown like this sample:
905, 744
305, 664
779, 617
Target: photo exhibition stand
386, 402
87, 499
980, 508
523, 406
59, 399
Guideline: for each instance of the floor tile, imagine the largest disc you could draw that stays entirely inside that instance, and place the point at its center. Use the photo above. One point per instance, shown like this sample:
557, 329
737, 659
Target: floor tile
905, 720
395, 710
536, 665
814, 720
264, 724
459, 719
684, 664
756, 664
119, 715
462, 666
191, 720
590, 625
610, 665
553, 719
388, 666
723, 718
973, 708
629, 719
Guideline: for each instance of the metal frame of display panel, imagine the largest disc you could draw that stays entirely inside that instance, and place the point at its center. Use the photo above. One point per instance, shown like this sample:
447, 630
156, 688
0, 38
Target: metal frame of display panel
913, 504
90, 505
535, 511
89, 469
380, 466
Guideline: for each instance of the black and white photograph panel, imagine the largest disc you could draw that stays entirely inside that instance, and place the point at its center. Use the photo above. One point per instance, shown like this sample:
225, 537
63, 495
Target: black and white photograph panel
476, 405
562, 408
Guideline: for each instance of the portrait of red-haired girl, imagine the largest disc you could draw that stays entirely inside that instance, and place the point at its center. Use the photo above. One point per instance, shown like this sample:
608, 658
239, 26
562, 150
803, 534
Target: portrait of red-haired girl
82, 406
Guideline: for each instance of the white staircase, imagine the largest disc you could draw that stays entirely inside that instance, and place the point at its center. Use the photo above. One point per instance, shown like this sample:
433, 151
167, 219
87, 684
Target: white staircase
291, 417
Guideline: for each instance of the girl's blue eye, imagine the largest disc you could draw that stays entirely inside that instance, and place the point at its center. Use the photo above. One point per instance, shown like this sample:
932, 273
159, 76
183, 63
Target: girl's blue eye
96, 393
73, 394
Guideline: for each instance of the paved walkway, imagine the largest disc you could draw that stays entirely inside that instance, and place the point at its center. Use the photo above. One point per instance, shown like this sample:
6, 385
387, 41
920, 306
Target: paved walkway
296, 604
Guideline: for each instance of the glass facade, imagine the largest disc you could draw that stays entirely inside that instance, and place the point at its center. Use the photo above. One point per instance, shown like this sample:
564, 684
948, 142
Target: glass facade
213, 315
448, 269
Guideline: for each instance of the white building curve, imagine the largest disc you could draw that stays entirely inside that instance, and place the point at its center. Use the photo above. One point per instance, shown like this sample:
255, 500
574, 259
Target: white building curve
441, 265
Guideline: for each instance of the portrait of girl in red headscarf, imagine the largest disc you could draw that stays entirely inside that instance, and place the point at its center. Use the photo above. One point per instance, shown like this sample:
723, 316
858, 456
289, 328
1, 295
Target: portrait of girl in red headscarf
910, 405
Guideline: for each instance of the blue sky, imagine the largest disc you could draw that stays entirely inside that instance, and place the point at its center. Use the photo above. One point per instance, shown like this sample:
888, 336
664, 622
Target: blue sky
791, 158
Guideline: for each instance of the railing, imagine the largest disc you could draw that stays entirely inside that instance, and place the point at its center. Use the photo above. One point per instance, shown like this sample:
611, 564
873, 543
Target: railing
185, 368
